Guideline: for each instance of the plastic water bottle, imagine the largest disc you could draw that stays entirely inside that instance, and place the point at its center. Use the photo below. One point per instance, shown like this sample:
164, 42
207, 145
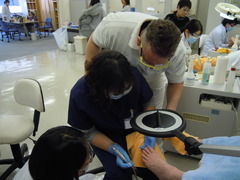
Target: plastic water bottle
231, 77
189, 76
206, 72
235, 45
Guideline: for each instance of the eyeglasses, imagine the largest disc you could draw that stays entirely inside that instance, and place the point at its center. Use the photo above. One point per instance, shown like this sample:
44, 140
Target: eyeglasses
196, 35
185, 10
159, 66
88, 160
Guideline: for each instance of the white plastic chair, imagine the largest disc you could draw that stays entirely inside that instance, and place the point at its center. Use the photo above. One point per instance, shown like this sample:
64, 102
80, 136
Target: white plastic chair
202, 41
14, 129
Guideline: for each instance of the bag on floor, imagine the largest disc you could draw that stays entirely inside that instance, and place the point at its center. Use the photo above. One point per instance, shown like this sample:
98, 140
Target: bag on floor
61, 37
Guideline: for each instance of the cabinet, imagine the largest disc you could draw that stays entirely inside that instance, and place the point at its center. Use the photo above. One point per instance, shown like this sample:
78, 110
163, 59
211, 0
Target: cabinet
33, 5
55, 14
44, 9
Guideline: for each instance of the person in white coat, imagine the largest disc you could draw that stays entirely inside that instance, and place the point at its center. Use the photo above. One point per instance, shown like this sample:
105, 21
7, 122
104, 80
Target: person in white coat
126, 6
6, 14
191, 32
218, 37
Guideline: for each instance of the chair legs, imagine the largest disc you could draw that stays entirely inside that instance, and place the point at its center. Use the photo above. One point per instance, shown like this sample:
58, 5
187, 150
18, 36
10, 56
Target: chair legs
18, 161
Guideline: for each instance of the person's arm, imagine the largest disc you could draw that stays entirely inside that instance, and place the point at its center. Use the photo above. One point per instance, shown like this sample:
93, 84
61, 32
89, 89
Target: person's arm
174, 92
91, 50
220, 40
101, 141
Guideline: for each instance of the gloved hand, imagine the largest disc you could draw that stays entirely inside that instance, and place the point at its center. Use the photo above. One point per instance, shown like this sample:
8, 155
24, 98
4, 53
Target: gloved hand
149, 141
120, 162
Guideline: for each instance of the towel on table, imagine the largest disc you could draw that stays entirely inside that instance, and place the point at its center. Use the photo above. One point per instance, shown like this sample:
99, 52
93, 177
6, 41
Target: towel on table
217, 167
198, 65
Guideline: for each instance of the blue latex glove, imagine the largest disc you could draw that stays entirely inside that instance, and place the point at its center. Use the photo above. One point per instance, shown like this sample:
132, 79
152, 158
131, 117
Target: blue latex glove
120, 162
149, 141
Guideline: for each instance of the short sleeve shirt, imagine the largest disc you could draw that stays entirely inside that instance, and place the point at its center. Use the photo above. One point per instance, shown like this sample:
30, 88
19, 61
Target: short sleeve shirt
119, 32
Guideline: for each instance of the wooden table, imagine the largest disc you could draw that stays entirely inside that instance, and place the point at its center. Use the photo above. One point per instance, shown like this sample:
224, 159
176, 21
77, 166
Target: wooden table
24, 26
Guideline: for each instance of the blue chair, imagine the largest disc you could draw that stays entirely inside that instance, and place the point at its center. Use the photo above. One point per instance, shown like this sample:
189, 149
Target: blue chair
47, 25
7, 31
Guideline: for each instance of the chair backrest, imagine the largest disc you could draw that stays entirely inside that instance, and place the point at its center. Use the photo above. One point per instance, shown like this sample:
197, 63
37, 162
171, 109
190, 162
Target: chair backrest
202, 40
48, 22
4, 26
28, 92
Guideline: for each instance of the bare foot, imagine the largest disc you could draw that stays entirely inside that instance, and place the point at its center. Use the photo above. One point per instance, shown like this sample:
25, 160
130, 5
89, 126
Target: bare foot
160, 167
151, 159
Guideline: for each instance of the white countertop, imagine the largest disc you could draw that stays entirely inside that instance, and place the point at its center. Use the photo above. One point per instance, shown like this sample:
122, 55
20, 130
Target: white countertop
217, 87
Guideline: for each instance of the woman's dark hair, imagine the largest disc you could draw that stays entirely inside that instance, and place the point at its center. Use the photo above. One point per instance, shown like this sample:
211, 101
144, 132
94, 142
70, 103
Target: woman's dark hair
93, 2
193, 26
127, 2
109, 72
58, 154
228, 21
6, 1
183, 3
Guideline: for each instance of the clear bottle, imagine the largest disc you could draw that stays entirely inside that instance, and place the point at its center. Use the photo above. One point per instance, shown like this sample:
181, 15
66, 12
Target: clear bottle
206, 72
189, 76
235, 45
231, 77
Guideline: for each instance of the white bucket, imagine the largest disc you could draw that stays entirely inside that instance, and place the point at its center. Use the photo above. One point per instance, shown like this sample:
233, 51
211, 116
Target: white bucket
33, 36
71, 47
80, 44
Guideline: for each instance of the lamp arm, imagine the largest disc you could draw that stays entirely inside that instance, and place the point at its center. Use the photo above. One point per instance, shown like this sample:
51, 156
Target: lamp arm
191, 144
220, 150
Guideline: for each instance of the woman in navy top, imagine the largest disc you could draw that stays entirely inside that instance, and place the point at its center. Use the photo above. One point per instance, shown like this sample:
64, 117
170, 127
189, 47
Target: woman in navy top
101, 105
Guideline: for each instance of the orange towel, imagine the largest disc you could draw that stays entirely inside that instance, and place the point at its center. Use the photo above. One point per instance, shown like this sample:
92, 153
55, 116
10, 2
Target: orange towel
178, 144
134, 142
199, 66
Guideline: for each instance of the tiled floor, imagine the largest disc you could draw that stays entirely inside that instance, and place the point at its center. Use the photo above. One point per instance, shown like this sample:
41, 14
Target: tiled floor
57, 72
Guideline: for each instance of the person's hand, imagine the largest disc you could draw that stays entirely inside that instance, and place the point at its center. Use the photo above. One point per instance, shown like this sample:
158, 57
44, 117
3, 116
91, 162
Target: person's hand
119, 152
149, 141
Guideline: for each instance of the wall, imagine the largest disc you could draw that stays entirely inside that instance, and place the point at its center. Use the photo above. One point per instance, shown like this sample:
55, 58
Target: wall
71, 10
213, 18
205, 10
202, 12
64, 11
76, 8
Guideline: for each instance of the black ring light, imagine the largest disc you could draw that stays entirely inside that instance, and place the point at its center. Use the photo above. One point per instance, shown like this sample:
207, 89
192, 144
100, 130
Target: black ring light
158, 123
166, 123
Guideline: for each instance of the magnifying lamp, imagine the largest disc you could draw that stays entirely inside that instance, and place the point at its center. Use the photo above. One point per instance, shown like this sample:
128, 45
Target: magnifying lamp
166, 123
228, 11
